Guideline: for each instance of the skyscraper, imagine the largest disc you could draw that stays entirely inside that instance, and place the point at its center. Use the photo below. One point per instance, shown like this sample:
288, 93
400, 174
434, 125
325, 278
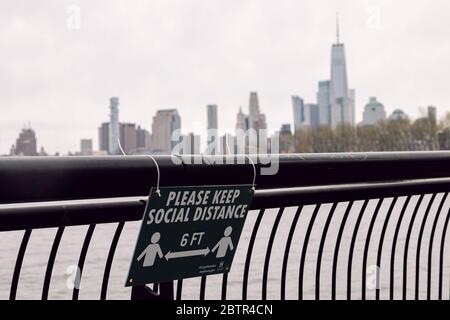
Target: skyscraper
312, 115
228, 144
128, 137
26, 143
165, 123
86, 147
286, 139
253, 108
142, 138
338, 83
341, 98
257, 120
212, 134
190, 144
103, 137
305, 115
323, 102
242, 121
373, 112
299, 111
114, 127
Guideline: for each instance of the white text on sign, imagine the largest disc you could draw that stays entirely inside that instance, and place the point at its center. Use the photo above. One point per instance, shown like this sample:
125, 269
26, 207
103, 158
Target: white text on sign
218, 205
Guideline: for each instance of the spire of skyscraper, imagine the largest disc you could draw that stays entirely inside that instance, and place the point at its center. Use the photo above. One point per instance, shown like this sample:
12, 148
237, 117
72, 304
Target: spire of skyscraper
337, 27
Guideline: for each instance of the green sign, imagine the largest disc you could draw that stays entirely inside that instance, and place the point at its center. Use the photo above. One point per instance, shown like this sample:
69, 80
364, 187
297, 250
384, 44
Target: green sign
189, 232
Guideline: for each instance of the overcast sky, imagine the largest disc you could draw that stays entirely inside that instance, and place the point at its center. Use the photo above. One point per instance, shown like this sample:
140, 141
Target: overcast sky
189, 53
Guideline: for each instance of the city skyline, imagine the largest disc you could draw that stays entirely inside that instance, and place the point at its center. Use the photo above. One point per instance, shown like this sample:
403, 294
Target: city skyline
166, 125
65, 99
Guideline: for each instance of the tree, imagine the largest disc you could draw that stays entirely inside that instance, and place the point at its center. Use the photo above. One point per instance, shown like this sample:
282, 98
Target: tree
303, 140
386, 135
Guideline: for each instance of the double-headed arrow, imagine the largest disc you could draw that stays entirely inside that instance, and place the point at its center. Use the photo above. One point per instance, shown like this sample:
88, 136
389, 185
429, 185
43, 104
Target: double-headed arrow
189, 253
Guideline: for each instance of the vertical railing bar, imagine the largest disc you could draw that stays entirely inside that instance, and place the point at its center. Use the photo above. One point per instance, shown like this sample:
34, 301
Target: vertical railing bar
224, 286
366, 248
202, 287
84, 249
380, 246
405, 256
249, 254
430, 249
18, 266
321, 246
337, 248
51, 262
304, 251
179, 288
441, 253
109, 260
269, 252
352, 248
419, 244
287, 250
394, 247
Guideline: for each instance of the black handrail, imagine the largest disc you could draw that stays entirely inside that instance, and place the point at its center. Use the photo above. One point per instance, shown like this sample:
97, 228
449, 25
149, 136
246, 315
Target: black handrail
28, 179
98, 211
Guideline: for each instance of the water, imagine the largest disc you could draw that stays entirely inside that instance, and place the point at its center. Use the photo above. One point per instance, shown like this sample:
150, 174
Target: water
35, 261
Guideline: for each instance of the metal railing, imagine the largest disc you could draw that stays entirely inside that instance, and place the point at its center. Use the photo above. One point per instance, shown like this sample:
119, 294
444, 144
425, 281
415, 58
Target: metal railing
394, 206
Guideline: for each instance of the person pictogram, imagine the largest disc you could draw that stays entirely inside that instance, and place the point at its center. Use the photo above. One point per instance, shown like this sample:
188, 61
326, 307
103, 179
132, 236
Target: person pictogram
224, 244
152, 250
